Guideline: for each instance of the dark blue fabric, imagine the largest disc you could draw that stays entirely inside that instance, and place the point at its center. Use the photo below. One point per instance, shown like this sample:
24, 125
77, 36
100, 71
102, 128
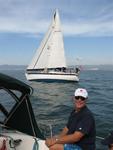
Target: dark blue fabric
84, 122
71, 147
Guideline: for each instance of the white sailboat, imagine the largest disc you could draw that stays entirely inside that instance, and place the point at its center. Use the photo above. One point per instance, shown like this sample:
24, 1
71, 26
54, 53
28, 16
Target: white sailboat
49, 62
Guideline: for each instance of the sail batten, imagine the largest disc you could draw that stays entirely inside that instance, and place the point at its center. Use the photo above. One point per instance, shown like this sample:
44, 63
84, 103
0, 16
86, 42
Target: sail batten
51, 51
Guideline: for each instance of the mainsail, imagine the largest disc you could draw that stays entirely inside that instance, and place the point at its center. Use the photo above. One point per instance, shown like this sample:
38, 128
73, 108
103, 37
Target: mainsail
50, 54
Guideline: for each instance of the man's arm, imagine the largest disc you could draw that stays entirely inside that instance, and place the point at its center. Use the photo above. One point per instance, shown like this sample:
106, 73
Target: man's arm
64, 132
72, 138
52, 141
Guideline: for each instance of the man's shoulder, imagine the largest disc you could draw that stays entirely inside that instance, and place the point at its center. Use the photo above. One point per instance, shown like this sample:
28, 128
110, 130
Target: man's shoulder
88, 112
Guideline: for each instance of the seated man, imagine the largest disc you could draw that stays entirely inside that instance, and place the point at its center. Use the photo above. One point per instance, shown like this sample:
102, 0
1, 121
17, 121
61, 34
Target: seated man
108, 141
79, 132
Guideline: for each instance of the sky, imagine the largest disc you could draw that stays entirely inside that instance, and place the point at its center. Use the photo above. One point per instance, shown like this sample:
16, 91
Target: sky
87, 27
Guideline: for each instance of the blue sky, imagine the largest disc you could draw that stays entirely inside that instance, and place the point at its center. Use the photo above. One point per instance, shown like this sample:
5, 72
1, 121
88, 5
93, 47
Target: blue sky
87, 27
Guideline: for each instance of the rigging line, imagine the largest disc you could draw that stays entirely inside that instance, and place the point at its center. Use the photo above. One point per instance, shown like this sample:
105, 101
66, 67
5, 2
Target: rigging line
99, 137
42, 49
36, 144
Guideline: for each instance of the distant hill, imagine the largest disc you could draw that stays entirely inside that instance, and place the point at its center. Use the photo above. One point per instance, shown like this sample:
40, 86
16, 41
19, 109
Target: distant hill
13, 67
97, 67
83, 67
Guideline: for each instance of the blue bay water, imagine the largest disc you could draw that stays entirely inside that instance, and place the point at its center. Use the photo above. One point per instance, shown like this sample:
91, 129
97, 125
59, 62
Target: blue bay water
52, 102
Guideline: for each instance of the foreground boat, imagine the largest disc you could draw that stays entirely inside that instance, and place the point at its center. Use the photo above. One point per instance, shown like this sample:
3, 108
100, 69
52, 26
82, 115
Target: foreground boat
49, 62
19, 129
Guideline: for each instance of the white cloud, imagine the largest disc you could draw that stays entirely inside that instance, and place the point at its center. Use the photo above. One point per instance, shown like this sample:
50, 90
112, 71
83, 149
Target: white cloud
22, 26
89, 29
88, 19
69, 29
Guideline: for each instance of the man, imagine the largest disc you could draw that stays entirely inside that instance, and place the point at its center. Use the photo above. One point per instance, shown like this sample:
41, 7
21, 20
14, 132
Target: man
108, 141
79, 133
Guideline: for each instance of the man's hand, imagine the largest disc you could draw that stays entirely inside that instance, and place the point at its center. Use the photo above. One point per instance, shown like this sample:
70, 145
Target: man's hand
50, 141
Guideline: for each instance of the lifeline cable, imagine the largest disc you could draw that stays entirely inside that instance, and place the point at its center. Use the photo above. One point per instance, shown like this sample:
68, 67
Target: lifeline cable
99, 137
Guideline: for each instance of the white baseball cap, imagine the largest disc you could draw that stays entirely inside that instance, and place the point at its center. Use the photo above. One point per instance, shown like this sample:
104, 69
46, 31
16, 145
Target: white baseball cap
81, 92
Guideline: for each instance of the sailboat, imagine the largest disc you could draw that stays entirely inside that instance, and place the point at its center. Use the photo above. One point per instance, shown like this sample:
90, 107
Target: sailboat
49, 62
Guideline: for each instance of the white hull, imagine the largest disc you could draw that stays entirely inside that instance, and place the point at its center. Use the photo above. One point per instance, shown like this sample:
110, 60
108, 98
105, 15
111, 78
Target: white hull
27, 142
52, 77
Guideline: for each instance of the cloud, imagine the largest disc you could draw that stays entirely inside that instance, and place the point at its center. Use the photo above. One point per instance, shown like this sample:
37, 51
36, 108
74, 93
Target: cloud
22, 26
90, 19
69, 29
89, 29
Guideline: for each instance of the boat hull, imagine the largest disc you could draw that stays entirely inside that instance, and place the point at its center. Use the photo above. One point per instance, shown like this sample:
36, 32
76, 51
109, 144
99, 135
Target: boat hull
52, 77
27, 142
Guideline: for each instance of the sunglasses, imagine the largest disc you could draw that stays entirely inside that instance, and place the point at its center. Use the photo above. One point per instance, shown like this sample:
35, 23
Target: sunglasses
80, 97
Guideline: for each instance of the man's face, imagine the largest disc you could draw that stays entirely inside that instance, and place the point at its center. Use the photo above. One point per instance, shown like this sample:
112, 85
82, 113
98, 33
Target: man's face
80, 102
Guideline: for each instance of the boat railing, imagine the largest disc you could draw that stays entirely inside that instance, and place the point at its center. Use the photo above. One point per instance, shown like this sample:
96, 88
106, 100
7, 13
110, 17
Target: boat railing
70, 71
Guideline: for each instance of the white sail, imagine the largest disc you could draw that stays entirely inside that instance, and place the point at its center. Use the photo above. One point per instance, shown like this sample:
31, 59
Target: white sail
50, 54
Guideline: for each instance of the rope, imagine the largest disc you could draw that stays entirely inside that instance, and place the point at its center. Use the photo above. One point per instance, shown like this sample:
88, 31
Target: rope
3, 145
36, 145
10, 142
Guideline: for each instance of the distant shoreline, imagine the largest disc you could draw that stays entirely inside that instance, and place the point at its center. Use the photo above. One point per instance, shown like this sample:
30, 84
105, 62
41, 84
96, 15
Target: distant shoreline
83, 67
13, 67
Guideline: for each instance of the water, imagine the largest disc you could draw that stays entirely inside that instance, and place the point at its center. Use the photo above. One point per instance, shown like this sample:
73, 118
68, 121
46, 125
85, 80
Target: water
52, 102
